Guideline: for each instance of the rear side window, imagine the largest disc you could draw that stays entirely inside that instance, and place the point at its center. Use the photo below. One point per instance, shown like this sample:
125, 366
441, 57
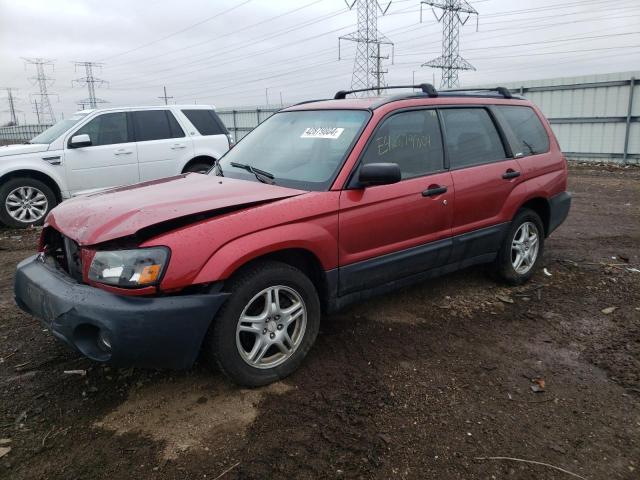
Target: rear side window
107, 129
410, 139
205, 121
525, 124
156, 125
472, 138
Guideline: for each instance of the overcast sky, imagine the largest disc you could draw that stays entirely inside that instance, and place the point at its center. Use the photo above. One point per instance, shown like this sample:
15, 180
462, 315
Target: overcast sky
233, 53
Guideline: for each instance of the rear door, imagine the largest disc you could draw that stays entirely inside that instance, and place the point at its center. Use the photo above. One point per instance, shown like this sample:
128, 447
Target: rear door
111, 159
163, 147
388, 232
484, 174
209, 135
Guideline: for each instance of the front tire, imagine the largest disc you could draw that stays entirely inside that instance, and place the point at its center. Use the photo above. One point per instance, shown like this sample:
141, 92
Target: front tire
25, 202
266, 327
521, 251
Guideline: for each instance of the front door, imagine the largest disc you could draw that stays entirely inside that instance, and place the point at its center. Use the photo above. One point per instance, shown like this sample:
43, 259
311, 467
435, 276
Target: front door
111, 159
388, 232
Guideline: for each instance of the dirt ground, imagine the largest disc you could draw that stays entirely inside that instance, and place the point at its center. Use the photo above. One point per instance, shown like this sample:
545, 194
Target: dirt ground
426, 383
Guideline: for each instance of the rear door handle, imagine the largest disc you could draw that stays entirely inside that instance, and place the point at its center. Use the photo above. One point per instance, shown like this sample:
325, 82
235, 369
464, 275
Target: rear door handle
432, 192
178, 146
509, 174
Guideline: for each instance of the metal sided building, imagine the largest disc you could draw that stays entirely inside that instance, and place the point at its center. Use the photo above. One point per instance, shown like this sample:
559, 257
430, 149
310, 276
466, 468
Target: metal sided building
595, 117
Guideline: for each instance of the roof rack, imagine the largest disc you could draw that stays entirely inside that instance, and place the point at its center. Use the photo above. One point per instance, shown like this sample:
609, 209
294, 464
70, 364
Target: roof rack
504, 91
425, 87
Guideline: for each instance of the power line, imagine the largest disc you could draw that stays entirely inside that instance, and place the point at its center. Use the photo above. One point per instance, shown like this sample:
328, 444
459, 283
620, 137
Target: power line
44, 110
178, 32
234, 32
90, 81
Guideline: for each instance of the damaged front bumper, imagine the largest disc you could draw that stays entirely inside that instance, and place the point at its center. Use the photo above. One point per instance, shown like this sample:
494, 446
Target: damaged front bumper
155, 332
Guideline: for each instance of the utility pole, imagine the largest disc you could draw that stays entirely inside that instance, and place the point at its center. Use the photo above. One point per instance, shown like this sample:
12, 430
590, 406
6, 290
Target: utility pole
368, 39
90, 81
454, 14
12, 107
266, 95
379, 72
164, 97
45, 110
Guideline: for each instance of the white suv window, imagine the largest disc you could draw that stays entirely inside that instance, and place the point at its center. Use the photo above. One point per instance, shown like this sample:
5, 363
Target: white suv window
156, 125
107, 129
205, 121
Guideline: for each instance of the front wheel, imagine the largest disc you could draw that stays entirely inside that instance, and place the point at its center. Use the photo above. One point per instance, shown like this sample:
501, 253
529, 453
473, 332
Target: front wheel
522, 248
24, 202
267, 326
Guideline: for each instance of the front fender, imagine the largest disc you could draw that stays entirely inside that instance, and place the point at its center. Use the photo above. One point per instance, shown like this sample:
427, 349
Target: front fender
314, 238
35, 163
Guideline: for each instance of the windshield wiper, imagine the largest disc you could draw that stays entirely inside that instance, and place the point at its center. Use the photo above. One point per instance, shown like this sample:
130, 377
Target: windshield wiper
218, 169
261, 175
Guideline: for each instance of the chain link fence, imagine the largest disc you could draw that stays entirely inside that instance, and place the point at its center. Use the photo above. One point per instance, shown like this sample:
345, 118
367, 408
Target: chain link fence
241, 121
20, 133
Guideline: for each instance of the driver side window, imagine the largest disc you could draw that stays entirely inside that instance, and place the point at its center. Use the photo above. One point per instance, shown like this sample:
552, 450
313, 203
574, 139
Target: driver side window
107, 129
412, 140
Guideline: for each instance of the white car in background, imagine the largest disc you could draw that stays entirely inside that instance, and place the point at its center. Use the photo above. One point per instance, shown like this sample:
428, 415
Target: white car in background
98, 149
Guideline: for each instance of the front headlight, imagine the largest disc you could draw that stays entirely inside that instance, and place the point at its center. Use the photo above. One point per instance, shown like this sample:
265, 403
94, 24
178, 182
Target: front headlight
129, 268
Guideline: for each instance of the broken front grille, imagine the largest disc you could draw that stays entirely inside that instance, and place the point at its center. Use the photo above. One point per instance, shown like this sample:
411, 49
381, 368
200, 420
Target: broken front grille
63, 252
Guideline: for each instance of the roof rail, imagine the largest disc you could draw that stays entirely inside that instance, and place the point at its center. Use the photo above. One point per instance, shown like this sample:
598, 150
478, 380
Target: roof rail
425, 87
504, 91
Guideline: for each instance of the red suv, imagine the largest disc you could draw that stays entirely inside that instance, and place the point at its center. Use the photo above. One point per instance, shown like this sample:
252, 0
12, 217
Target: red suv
325, 203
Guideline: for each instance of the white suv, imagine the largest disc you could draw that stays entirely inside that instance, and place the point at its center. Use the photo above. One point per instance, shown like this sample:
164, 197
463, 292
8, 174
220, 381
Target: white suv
98, 149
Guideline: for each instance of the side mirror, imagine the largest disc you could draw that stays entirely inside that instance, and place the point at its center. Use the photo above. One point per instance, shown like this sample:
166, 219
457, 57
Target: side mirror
379, 174
78, 141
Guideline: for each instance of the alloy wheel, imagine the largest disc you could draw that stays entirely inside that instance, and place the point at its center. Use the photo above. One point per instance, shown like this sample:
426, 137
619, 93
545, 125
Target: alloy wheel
26, 204
525, 247
271, 327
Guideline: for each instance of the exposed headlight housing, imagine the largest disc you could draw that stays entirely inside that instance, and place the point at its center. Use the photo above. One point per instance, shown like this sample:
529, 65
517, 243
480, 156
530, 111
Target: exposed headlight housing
140, 267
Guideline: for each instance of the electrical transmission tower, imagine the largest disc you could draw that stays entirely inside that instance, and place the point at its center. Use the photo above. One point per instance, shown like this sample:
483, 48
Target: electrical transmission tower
450, 62
90, 81
12, 107
367, 68
44, 110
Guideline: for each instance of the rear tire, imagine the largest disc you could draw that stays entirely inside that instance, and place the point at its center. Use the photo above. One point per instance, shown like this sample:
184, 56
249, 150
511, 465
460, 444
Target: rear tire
198, 167
522, 249
267, 326
25, 202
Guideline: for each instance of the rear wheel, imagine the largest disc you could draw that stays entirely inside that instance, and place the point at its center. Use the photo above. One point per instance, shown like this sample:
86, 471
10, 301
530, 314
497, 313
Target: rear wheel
522, 248
25, 201
267, 326
198, 167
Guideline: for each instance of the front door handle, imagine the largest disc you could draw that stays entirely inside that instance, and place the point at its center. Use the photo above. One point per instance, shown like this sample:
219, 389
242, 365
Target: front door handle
433, 191
123, 152
509, 174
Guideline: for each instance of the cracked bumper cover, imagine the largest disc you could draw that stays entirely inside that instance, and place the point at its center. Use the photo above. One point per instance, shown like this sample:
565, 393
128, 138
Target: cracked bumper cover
154, 332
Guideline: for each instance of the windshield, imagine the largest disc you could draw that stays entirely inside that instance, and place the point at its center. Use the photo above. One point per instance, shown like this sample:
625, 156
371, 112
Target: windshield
300, 149
51, 133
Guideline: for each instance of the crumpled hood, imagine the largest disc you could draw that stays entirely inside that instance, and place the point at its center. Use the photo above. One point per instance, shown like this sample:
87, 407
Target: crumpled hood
20, 149
123, 211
